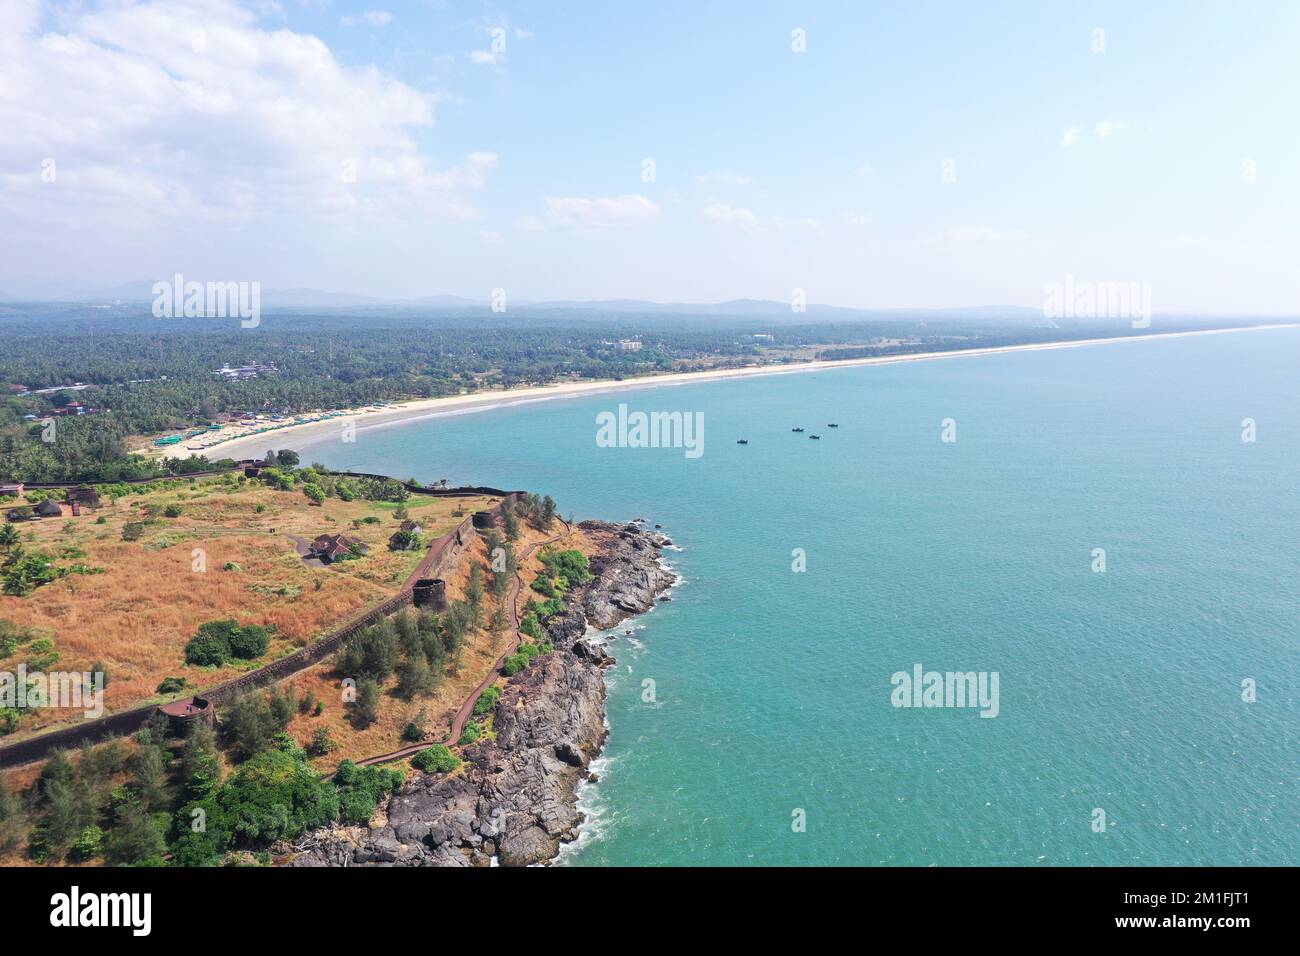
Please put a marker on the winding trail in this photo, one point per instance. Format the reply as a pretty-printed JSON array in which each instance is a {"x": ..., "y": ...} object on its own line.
[{"x": 467, "y": 706}]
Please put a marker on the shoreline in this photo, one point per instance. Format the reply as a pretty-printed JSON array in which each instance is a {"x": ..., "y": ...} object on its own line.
[{"x": 430, "y": 408}]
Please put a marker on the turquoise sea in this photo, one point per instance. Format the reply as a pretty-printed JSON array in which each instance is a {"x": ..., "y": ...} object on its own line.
[{"x": 1120, "y": 691}]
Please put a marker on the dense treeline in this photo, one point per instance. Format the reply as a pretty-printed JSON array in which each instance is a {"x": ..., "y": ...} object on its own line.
[{"x": 146, "y": 376}]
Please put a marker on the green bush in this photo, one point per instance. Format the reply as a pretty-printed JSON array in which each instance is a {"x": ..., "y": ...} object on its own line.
[
  {"x": 210, "y": 647},
  {"x": 172, "y": 685},
  {"x": 418, "y": 728},
  {"x": 472, "y": 733},
  {"x": 487, "y": 700},
  {"x": 218, "y": 641},
  {"x": 435, "y": 759},
  {"x": 572, "y": 565},
  {"x": 514, "y": 664},
  {"x": 172, "y": 511},
  {"x": 87, "y": 845},
  {"x": 250, "y": 641},
  {"x": 360, "y": 789},
  {"x": 322, "y": 743}
]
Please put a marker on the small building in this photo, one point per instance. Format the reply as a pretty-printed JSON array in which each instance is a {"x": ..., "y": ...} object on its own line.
[
  {"x": 85, "y": 496},
  {"x": 629, "y": 345},
  {"x": 11, "y": 488},
  {"x": 49, "y": 508},
  {"x": 338, "y": 547}
]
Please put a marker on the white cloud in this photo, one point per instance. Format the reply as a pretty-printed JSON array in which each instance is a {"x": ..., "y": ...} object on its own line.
[
  {"x": 1070, "y": 137},
  {"x": 530, "y": 224},
  {"x": 170, "y": 116},
  {"x": 486, "y": 58},
  {"x": 602, "y": 212},
  {"x": 725, "y": 178},
  {"x": 735, "y": 216},
  {"x": 374, "y": 18},
  {"x": 781, "y": 223},
  {"x": 968, "y": 234},
  {"x": 864, "y": 170},
  {"x": 522, "y": 34},
  {"x": 859, "y": 218},
  {"x": 1107, "y": 128},
  {"x": 490, "y": 237}
]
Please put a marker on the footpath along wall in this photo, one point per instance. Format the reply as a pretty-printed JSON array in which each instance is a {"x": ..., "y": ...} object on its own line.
[{"x": 443, "y": 554}]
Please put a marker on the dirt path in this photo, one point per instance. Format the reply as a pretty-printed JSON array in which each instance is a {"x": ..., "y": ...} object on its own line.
[{"x": 467, "y": 706}]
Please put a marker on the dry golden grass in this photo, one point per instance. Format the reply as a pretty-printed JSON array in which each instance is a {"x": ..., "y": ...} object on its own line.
[{"x": 138, "y": 615}]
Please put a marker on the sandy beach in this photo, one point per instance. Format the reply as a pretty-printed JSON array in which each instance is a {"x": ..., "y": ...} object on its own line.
[{"x": 294, "y": 435}]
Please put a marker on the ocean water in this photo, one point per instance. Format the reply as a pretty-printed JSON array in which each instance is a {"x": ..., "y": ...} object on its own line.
[{"x": 1119, "y": 691}]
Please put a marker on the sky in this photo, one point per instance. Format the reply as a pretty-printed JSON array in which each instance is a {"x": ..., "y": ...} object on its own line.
[{"x": 876, "y": 155}]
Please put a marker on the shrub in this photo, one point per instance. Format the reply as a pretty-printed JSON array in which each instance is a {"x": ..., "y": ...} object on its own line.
[
  {"x": 322, "y": 743},
  {"x": 360, "y": 789},
  {"x": 418, "y": 728},
  {"x": 435, "y": 759},
  {"x": 250, "y": 641},
  {"x": 217, "y": 641},
  {"x": 471, "y": 734},
  {"x": 210, "y": 647},
  {"x": 572, "y": 565},
  {"x": 514, "y": 664},
  {"x": 133, "y": 531},
  {"x": 172, "y": 511},
  {"x": 405, "y": 541},
  {"x": 172, "y": 685},
  {"x": 87, "y": 845},
  {"x": 487, "y": 700}
]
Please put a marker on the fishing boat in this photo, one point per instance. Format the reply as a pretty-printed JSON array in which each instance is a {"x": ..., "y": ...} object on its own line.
[
  {"x": 815, "y": 437},
  {"x": 832, "y": 425},
  {"x": 742, "y": 441},
  {"x": 796, "y": 429}
]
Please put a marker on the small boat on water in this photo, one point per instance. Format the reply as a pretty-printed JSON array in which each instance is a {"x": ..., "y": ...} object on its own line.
[
  {"x": 815, "y": 437},
  {"x": 742, "y": 441},
  {"x": 832, "y": 425},
  {"x": 796, "y": 429}
]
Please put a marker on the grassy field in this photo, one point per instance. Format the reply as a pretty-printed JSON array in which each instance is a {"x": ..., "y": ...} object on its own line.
[{"x": 232, "y": 552}]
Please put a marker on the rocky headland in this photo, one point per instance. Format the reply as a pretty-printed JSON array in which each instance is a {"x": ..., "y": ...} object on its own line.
[{"x": 515, "y": 797}]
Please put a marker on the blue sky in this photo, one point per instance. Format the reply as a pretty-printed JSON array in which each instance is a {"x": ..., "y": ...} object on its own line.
[{"x": 1172, "y": 157}]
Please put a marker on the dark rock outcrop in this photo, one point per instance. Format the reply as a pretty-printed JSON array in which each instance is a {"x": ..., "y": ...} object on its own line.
[
  {"x": 515, "y": 796},
  {"x": 629, "y": 571}
]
